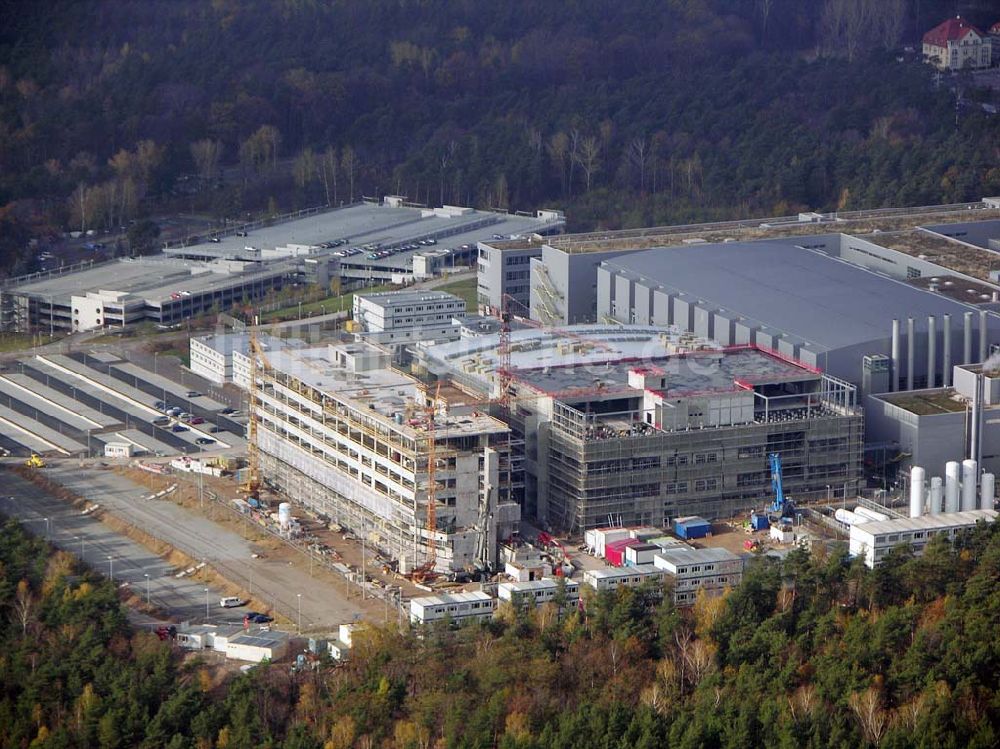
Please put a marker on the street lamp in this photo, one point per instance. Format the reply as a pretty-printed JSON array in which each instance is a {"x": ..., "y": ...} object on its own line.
[
  {"x": 299, "y": 597},
  {"x": 829, "y": 494},
  {"x": 146, "y": 575},
  {"x": 111, "y": 567},
  {"x": 206, "y": 604},
  {"x": 82, "y": 540}
]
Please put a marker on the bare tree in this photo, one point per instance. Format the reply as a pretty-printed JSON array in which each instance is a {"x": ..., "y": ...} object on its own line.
[
  {"x": 328, "y": 167},
  {"x": 764, "y": 8},
  {"x": 349, "y": 163},
  {"x": 558, "y": 148},
  {"x": 206, "y": 154},
  {"x": 304, "y": 168},
  {"x": 891, "y": 21},
  {"x": 873, "y": 719},
  {"x": 588, "y": 156},
  {"x": 574, "y": 154},
  {"x": 637, "y": 154},
  {"x": 23, "y": 606}
]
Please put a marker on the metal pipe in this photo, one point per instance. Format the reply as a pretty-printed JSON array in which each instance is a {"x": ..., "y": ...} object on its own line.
[
  {"x": 970, "y": 471},
  {"x": 983, "y": 335},
  {"x": 931, "y": 351},
  {"x": 909, "y": 353},
  {"x": 967, "y": 339},
  {"x": 946, "y": 352},
  {"x": 894, "y": 376}
]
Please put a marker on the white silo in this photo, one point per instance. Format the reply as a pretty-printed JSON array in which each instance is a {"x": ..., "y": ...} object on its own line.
[
  {"x": 987, "y": 491},
  {"x": 951, "y": 472},
  {"x": 970, "y": 473},
  {"x": 850, "y": 518},
  {"x": 870, "y": 514},
  {"x": 284, "y": 514},
  {"x": 935, "y": 495},
  {"x": 916, "y": 491}
]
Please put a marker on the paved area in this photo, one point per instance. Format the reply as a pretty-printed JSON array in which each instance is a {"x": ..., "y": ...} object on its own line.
[
  {"x": 88, "y": 538},
  {"x": 274, "y": 584}
]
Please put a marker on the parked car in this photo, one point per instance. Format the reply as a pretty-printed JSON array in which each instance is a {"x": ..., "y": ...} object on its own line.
[
  {"x": 226, "y": 411},
  {"x": 205, "y": 441},
  {"x": 162, "y": 421},
  {"x": 230, "y": 602},
  {"x": 174, "y": 411},
  {"x": 255, "y": 617},
  {"x": 179, "y": 428},
  {"x": 216, "y": 430},
  {"x": 193, "y": 394},
  {"x": 159, "y": 405},
  {"x": 197, "y": 420}
]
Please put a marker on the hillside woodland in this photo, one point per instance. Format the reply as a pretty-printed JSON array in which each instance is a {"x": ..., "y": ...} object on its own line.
[
  {"x": 623, "y": 114},
  {"x": 816, "y": 651}
]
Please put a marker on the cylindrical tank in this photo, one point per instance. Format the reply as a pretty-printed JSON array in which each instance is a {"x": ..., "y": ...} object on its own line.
[
  {"x": 849, "y": 518},
  {"x": 284, "y": 514},
  {"x": 935, "y": 495},
  {"x": 916, "y": 491},
  {"x": 952, "y": 469},
  {"x": 870, "y": 514},
  {"x": 987, "y": 491},
  {"x": 970, "y": 472}
]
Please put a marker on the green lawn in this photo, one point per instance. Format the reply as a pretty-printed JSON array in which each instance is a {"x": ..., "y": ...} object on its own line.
[
  {"x": 339, "y": 303},
  {"x": 466, "y": 290},
  {"x": 19, "y": 341}
]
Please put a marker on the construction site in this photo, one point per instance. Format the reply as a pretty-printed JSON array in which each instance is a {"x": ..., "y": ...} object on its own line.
[{"x": 369, "y": 448}]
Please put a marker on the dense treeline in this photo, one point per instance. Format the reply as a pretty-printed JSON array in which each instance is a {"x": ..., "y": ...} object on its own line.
[
  {"x": 815, "y": 651},
  {"x": 628, "y": 113}
]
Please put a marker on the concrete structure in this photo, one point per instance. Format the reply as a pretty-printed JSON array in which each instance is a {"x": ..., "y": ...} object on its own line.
[
  {"x": 119, "y": 293},
  {"x": 394, "y": 318},
  {"x": 455, "y": 607},
  {"x": 874, "y": 540},
  {"x": 119, "y": 449},
  {"x": 258, "y": 646},
  {"x": 224, "y": 357},
  {"x": 538, "y": 592},
  {"x": 342, "y": 433},
  {"x": 956, "y": 44},
  {"x": 609, "y": 578},
  {"x": 712, "y": 570},
  {"x": 814, "y": 304}
]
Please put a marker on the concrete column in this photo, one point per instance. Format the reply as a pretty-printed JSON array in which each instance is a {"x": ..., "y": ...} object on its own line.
[
  {"x": 931, "y": 351},
  {"x": 983, "y": 335},
  {"x": 894, "y": 376},
  {"x": 946, "y": 352},
  {"x": 909, "y": 353},
  {"x": 967, "y": 339}
]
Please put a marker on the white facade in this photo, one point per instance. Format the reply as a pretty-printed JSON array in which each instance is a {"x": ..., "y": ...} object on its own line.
[
  {"x": 119, "y": 450},
  {"x": 259, "y": 646},
  {"x": 538, "y": 592},
  {"x": 211, "y": 360},
  {"x": 874, "y": 540},
  {"x": 458, "y": 607},
  {"x": 957, "y": 45},
  {"x": 609, "y": 578},
  {"x": 397, "y": 317},
  {"x": 712, "y": 570}
]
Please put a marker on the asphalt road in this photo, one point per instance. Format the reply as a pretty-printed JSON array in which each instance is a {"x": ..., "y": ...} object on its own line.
[
  {"x": 275, "y": 585},
  {"x": 88, "y": 538}
]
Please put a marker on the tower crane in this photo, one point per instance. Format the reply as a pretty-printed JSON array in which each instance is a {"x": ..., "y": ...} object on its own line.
[
  {"x": 426, "y": 570},
  {"x": 258, "y": 364}
]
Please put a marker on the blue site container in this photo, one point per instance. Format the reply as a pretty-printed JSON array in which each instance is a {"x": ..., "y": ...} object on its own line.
[
  {"x": 759, "y": 522},
  {"x": 692, "y": 527}
]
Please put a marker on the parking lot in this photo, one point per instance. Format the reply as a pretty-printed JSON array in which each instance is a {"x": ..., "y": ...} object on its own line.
[{"x": 73, "y": 405}]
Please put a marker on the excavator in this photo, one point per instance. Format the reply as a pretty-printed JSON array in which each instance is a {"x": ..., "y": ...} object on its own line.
[{"x": 35, "y": 461}]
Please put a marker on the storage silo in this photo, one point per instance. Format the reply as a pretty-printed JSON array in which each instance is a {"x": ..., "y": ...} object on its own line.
[
  {"x": 916, "y": 491},
  {"x": 987, "y": 491},
  {"x": 970, "y": 471},
  {"x": 951, "y": 472},
  {"x": 935, "y": 496}
]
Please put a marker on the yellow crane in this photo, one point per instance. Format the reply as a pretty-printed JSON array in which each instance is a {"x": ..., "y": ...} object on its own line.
[
  {"x": 258, "y": 364},
  {"x": 426, "y": 570}
]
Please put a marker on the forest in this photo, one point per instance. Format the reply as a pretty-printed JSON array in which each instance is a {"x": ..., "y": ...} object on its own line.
[
  {"x": 621, "y": 114},
  {"x": 814, "y": 651}
]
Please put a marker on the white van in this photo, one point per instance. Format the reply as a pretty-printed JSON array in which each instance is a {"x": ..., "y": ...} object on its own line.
[{"x": 230, "y": 602}]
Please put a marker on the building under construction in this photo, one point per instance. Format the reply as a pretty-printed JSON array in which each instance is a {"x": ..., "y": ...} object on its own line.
[
  {"x": 638, "y": 425},
  {"x": 365, "y": 446}
]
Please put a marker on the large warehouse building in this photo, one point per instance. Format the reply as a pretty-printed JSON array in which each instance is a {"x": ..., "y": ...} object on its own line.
[
  {"x": 638, "y": 425},
  {"x": 341, "y": 432}
]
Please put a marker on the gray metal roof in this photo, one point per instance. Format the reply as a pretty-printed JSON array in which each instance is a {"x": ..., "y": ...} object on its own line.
[{"x": 819, "y": 299}]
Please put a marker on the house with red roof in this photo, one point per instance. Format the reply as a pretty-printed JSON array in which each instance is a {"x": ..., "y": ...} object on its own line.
[{"x": 957, "y": 45}]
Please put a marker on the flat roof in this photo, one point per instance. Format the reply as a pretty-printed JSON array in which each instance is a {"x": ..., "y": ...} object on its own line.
[
  {"x": 978, "y": 233},
  {"x": 228, "y": 343},
  {"x": 544, "y": 584},
  {"x": 927, "y": 402},
  {"x": 822, "y": 301},
  {"x": 381, "y": 390},
  {"x": 925, "y": 522},
  {"x": 408, "y": 296},
  {"x": 466, "y": 596},
  {"x": 639, "y": 569},
  {"x": 261, "y": 639},
  {"x": 153, "y": 278},
  {"x": 686, "y": 374},
  {"x": 689, "y": 555}
]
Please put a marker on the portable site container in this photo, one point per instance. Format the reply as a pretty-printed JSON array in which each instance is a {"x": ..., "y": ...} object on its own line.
[
  {"x": 641, "y": 554},
  {"x": 615, "y": 551},
  {"x": 645, "y": 533},
  {"x": 692, "y": 527},
  {"x": 597, "y": 539}
]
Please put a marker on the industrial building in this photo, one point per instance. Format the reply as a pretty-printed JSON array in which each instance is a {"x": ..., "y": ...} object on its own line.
[
  {"x": 711, "y": 570},
  {"x": 394, "y": 318},
  {"x": 874, "y": 540},
  {"x": 634, "y": 425},
  {"x": 212, "y": 356},
  {"x": 119, "y": 293},
  {"x": 910, "y": 289},
  {"x": 359, "y": 443},
  {"x": 455, "y": 607},
  {"x": 609, "y": 578}
]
